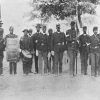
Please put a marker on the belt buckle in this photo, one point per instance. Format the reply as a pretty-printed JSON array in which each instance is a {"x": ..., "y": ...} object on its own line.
[
  {"x": 59, "y": 43},
  {"x": 42, "y": 44}
]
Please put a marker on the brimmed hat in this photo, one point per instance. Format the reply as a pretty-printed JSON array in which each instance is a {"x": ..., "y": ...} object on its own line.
[
  {"x": 38, "y": 25},
  {"x": 25, "y": 30},
  {"x": 72, "y": 23},
  {"x": 58, "y": 25}
]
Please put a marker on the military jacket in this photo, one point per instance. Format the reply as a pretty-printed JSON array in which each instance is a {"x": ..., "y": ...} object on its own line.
[
  {"x": 36, "y": 40},
  {"x": 50, "y": 43},
  {"x": 25, "y": 43},
  {"x": 71, "y": 39},
  {"x": 59, "y": 42},
  {"x": 95, "y": 43},
  {"x": 84, "y": 40},
  {"x": 43, "y": 46}
]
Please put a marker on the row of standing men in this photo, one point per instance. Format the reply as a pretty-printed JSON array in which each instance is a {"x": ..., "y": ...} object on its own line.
[{"x": 48, "y": 50}]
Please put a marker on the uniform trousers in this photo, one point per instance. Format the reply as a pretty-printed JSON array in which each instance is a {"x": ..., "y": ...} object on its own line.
[
  {"x": 95, "y": 63},
  {"x": 72, "y": 56},
  {"x": 36, "y": 63},
  {"x": 58, "y": 56},
  {"x": 13, "y": 67},
  {"x": 51, "y": 64},
  {"x": 1, "y": 65},
  {"x": 84, "y": 62},
  {"x": 42, "y": 60}
]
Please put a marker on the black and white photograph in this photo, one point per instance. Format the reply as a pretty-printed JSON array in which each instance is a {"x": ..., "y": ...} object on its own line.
[{"x": 49, "y": 49}]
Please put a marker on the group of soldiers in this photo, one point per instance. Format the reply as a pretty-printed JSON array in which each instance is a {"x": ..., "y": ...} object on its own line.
[{"x": 47, "y": 49}]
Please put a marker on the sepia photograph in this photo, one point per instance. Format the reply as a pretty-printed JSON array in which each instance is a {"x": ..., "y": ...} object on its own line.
[{"x": 49, "y": 49}]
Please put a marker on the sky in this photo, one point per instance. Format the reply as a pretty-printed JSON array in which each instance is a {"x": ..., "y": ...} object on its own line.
[{"x": 13, "y": 12}]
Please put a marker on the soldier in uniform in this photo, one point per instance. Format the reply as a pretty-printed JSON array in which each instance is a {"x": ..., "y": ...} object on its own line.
[
  {"x": 50, "y": 48},
  {"x": 95, "y": 51},
  {"x": 12, "y": 64},
  {"x": 84, "y": 41},
  {"x": 72, "y": 46},
  {"x": 30, "y": 34},
  {"x": 36, "y": 40},
  {"x": 2, "y": 47},
  {"x": 25, "y": 46},
  {"x": 43, "y": 51},
  {"x": 59, "y": 41}
]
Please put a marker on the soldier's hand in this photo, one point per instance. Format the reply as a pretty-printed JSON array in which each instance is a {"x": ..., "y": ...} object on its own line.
[
  {"x": 88, "y": 44},
  {"x": 36, "y": 41},
  {"x": 52, "y": 52},
  {"x": 49, "y": 55}
]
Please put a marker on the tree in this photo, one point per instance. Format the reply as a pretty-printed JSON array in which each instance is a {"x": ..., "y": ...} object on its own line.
[{"x": 61, "y": 9}]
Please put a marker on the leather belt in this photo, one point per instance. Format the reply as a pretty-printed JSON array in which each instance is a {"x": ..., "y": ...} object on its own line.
[{"x": 42, "y": 44}]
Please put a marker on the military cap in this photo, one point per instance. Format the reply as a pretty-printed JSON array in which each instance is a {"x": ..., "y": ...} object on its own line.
[
  {"x": 84, "y": 27},
  {"x": 72, "y": 23},
  {"x": 95, "y": 28},
  {"x": 25, "y": 30},
  {"x": 58, "y": 25},
  {"x": 38, "y": 25}
]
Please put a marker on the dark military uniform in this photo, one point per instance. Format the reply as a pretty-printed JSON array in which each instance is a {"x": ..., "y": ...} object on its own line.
[
  {"x": 95, "y": 54},
  {"x": 59, "y": 41},
  {"x": 50, "y": 48},
  {"x": 36, "y": 41},
  {"x": 12, "y": 64},
  {"x": 25, "y": 45},
  {"x": 84, "y": 41},
  {"x": 43, "y": 52},
  {"x": 72, "y": 46},
  {"x": 2, "y": 48}
]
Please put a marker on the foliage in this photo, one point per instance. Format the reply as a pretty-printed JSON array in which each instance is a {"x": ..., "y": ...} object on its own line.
[{"x": 61, "y": 9}]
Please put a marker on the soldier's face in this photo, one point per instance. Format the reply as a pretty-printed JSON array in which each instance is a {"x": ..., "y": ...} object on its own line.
[
  {"x": 95, "y": 31},
  {"x": 25, "y": 33},
  {"x": 84, "y": 30},
  {"x": 11, "y": 31},
  {"x": 72, "y": 26},
  {"x": 58, "y": 29},
  {"x": 50, "y": 32},
  {"x": 38, "y": 29},
  {"x": 44, "y": 29}
]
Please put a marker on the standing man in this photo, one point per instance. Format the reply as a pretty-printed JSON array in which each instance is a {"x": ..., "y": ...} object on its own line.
[
  {"x": 95, "y": 52},
  {"x": 12, "y": 53},
  {"x": 72, "y": 45},
  {"x": 36, "y": 40},
  {"x": 30, "y": 34},
  {"x": 84, "y": 41},
  {"x": 50, "y": 48},
  {"x": 59, "y": 41},
  {"x": 25, "y": 46},
  {"x": 43, "y": 51},
  {"x": 2, "y": 48}
]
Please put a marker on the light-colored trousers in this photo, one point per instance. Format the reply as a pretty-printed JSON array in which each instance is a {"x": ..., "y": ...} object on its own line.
[
  {"x": 42, "y": 62},
  {"x": 95, "y": 63}
]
